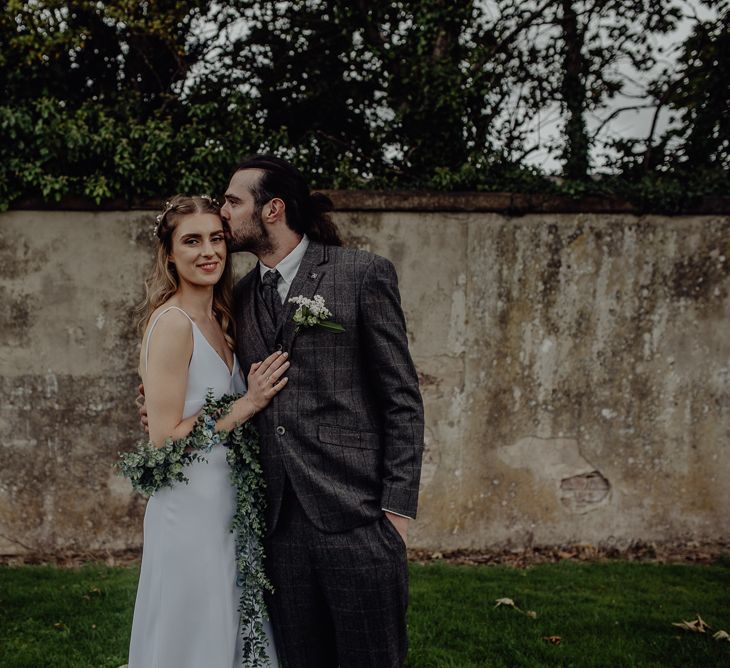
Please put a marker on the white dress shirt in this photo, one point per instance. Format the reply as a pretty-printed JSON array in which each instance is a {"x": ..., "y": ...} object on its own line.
[{"x": 288, "y": 267}]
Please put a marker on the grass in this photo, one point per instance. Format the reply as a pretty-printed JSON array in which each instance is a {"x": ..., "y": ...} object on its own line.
[
  {"x": 606, "y": 614},
  {"x": 65, "y": 618},
  {"x": 609, "y": 614}
]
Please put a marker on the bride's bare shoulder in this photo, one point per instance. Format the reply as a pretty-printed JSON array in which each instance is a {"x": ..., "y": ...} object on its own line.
[
  {"x": 171, "y": 335},
  {"x": 169, "y": 316}
]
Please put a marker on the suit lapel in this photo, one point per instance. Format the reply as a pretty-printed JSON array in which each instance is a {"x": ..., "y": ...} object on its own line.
[
  {"x": 309, "y": 275},
  {"x": 251, "y": 333}
]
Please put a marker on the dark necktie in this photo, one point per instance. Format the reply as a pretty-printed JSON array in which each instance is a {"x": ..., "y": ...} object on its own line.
[{"x": 271, "y": 295}]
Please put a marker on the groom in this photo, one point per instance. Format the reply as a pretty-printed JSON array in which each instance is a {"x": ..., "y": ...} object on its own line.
[{"x": 341, "y": 445}]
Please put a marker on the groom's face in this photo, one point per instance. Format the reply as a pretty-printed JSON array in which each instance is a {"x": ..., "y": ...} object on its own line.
[{"x": 248, "y": 232}]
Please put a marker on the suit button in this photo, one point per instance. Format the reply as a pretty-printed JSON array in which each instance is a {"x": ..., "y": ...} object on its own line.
[
  {"x": 279, "y": 346},
  {"x": 280, "y": 430}
]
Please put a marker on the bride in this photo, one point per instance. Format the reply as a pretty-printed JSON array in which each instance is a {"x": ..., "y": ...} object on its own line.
[{"x": 186, "y": 612}]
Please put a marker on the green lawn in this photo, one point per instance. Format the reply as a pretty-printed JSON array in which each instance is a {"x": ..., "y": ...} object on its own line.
[{"x": 606, "y": 614}]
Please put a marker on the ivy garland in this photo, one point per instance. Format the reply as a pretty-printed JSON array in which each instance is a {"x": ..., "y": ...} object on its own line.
[
  {"x": 149, "y": 469},
  {"x": 248, "y": 527}
]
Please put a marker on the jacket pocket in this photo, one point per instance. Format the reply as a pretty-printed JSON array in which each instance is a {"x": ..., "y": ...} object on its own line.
[{"x": 348, "y": 438}]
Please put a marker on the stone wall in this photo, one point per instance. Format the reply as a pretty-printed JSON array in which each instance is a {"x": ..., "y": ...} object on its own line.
[{"x": 575, "y": 369}]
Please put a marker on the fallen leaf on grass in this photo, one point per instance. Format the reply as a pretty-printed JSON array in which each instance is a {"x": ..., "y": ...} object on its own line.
[
  {"x": 62, "y": 628},
  {"x": 511, "y": 604},
  {"x": 93, "y": 591},
  {"x": 722, "y": 635},
  {"x": 553, "y": 640},
  {"x": 695, "y": 626},
  {"x": 506, "y": 601}
]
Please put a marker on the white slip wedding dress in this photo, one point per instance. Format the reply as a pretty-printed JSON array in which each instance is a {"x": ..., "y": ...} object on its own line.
[{"x": 186, "y": 612}]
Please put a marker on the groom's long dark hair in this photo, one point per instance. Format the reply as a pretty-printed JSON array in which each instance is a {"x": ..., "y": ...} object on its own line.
[{"x": 306, "y": 213}]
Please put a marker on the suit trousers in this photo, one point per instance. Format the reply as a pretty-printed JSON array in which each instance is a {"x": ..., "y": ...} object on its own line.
[{"x": 340, "y": 599}]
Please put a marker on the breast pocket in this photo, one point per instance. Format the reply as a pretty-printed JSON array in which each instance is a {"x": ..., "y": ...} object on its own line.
[{"x": 348, "y": 438}]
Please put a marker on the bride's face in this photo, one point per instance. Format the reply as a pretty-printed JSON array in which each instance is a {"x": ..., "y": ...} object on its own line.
[{"x": 199, "y": 248}]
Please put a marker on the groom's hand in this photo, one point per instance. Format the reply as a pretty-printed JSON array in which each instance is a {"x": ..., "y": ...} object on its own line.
[
  {"x": 142, "y": 408},
  {"x": 400, "y": 524}
]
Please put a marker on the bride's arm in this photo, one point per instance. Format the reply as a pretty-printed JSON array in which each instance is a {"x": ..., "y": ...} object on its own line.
[
  {"x": 165, "y": 380},
  {"x": 166, "y": 377}
]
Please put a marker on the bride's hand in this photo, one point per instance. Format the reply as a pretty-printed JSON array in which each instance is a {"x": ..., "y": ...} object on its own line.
[{"x": 265, "y": 379}]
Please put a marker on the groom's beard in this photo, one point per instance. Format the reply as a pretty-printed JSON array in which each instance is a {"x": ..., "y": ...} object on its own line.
[{"x": 252, "y": 237}]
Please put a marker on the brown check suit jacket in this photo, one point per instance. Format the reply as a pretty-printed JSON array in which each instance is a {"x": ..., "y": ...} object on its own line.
[{"x": 347, "y": 430}]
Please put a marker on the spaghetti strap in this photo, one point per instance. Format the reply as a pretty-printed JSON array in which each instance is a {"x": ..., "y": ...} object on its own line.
[{"x": 154, "y": 324}]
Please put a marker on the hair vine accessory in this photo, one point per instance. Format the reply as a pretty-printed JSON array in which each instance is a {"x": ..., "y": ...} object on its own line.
[
  {"x": 169, "y": 206},
  {"x": 159, "y": 217}
]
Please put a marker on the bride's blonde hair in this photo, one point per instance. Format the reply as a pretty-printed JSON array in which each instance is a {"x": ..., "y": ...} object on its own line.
[{"x": 163, "y": 282}]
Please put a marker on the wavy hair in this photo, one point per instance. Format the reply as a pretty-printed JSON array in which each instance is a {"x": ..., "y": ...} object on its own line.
[{"x": 163, "y": 282}]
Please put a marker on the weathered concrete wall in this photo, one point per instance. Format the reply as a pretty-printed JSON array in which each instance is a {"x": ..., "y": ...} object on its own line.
[{"x": 575, "y": 368}]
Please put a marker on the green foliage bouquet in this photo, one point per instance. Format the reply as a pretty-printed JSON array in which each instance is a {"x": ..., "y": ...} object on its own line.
[{"x": 149, "y": 469}]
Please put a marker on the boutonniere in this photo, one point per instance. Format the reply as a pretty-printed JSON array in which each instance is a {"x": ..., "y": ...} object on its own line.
[{"x": 313, "y": 312}]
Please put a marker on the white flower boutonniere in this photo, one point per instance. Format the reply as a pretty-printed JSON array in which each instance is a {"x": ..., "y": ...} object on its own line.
[{"x": 313, "y": 312}]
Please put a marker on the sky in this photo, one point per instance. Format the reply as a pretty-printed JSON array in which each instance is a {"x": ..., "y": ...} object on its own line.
[{"x": 627, "y": 124}]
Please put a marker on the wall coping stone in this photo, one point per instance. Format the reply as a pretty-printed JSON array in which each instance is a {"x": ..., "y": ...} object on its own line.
[{"x": 508, "y": 203}]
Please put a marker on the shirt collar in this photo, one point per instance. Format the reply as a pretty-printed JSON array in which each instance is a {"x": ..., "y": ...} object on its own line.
[{"x": 289, "y": 266}]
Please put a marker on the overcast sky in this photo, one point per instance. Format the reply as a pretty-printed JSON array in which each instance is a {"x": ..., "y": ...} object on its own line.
[{"x": 633, "y": 123}]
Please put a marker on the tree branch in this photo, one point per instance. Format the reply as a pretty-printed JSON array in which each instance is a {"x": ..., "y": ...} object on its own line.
[
  {"x": 661, "y": 102},
  {"x": 616, "y": 112},
  {"x": 507, "y": 39}
]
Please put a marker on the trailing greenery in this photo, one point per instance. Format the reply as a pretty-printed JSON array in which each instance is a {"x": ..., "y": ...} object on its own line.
[
  {"x": 606, "y": 614},
  {"x": 249, "y": 529},
  {"x": 124, "y": 100}
]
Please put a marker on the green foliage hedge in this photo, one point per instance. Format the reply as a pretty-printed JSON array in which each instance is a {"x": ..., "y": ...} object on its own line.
[{"x": 94, "y": 153}]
